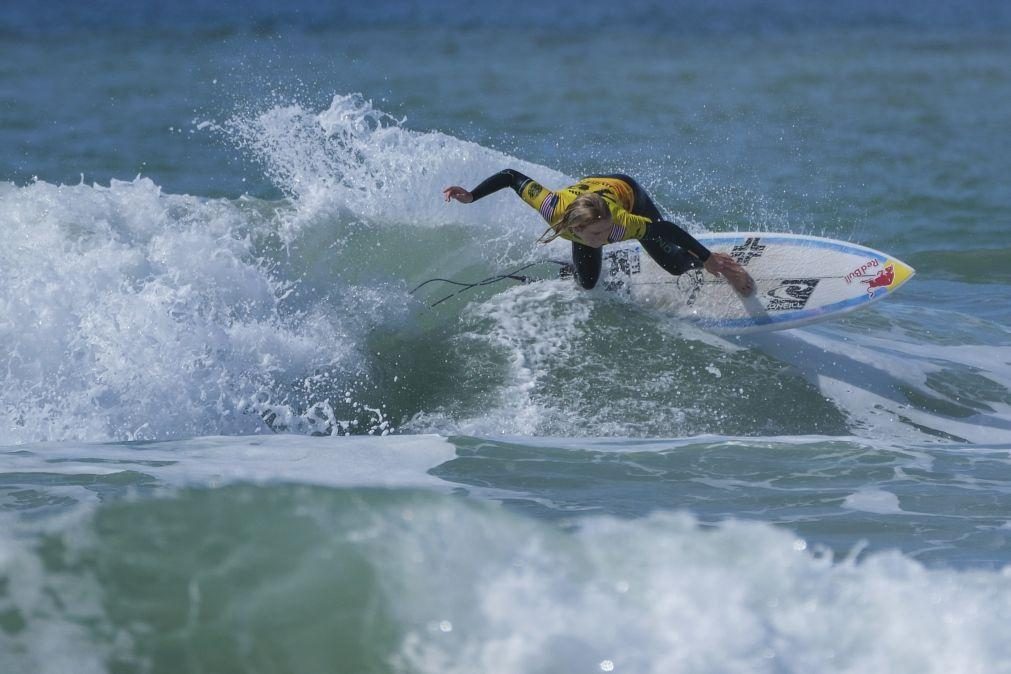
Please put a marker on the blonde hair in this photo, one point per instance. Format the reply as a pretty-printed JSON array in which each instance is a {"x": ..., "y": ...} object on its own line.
[{"x": 585, "y": 210}]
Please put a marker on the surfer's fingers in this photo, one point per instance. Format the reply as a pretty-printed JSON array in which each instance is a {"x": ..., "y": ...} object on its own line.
[
  {"x": 742, "y": 283},
  {"x": 458, "y": 193}
]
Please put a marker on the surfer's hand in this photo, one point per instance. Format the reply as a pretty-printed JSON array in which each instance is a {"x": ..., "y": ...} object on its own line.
[
  {"x": 721, "y": 264},
  {"x": 458, "y": 193}
]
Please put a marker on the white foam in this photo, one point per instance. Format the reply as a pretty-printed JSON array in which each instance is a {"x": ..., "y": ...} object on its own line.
[
  {"x": 660, "y": 595},
  {"x": 130, "y": 314},
  {"x": 55, "y": 612},
  {"x": 874, "y": 501}
]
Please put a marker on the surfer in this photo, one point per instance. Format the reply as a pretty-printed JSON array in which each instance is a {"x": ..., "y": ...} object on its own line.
[{"x": 606, "y": 209}]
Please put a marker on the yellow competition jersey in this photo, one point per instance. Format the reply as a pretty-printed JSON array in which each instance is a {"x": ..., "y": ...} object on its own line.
[{"x": 617, "y": 193}]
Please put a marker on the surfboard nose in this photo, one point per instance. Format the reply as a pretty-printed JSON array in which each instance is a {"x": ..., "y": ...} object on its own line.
[{"x": 901, "y": 272}]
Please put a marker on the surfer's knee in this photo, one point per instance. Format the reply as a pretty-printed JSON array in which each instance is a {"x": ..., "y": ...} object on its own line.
[{"x": 586, "y": 280}]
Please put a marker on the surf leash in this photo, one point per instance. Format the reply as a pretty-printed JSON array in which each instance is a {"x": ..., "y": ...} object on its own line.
[{"x": 513, "y": 275}]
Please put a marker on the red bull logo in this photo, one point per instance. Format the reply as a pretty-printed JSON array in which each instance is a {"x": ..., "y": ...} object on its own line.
[
  {"x": 883, "y": 279},
  {"x": 861, "y": 271}
]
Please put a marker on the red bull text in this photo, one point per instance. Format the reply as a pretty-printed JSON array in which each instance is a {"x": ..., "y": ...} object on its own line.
[{"x": 861, "y": 271}]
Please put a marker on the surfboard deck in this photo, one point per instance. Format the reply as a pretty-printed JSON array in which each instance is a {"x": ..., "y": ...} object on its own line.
[{"x": 799, "y": 280}]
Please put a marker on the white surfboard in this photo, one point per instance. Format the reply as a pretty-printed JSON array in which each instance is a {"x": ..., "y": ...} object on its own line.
[{"x": 799, "y": 280}]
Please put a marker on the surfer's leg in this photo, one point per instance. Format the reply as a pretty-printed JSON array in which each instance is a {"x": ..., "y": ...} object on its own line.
[
  {"x": 586, "y": 261},
  {"x": 659, "y": 243}
]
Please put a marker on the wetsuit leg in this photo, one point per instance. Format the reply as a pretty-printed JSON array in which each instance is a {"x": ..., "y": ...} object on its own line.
[{"x": 586, "y": 261}]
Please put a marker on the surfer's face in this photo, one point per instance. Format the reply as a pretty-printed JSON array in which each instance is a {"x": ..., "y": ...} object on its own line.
[{"x": 594, "y": 234}]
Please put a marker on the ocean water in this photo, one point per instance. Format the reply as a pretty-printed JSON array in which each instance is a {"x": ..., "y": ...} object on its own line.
[{"x": 233, "y": 440}]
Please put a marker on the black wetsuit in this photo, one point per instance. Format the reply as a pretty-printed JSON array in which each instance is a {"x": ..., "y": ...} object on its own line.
[{"x": 633, "y": 213}]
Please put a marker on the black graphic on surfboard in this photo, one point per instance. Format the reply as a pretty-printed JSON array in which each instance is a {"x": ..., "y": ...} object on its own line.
[
  {"x": 791, "y": 294},
  {"x": 747, "y": 251},
  {"x": 622, "y": 264}
]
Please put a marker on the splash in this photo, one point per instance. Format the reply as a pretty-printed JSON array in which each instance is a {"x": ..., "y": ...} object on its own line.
[
  {"x": 353, "y": 156},
  {"x": 134, "y": 314},
  {"x": 131, "y": 314}
]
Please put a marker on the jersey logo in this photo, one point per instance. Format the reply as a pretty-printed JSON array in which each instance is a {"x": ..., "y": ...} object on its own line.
[
  {"x": 533, "y": 190},
  {"x": 547, "y": 208},
  {"x": 617, "y": 233}
]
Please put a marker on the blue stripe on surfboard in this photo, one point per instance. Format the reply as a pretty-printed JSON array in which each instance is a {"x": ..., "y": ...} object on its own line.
[{"x": 793, "y": 316}]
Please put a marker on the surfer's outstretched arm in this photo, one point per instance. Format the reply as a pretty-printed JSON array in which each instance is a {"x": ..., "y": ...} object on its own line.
[
  {"x": 501, "y": 180},
  {"x": 535, "y": 195},
  {"x": 677, "y": 251}
]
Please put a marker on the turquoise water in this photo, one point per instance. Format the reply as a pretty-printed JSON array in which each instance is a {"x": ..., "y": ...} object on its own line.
[{"x": 214, "y": 218}]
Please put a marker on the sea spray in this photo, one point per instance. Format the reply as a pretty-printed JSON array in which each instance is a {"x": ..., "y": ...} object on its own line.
[{"x": 357, "y": 157}]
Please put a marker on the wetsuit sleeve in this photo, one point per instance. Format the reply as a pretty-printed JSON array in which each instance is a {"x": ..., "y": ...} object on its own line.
[
  {"x": 501, "y": 180},
  {"x": 667, "y": 232},
  {"x": 532, "y": 192}
]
